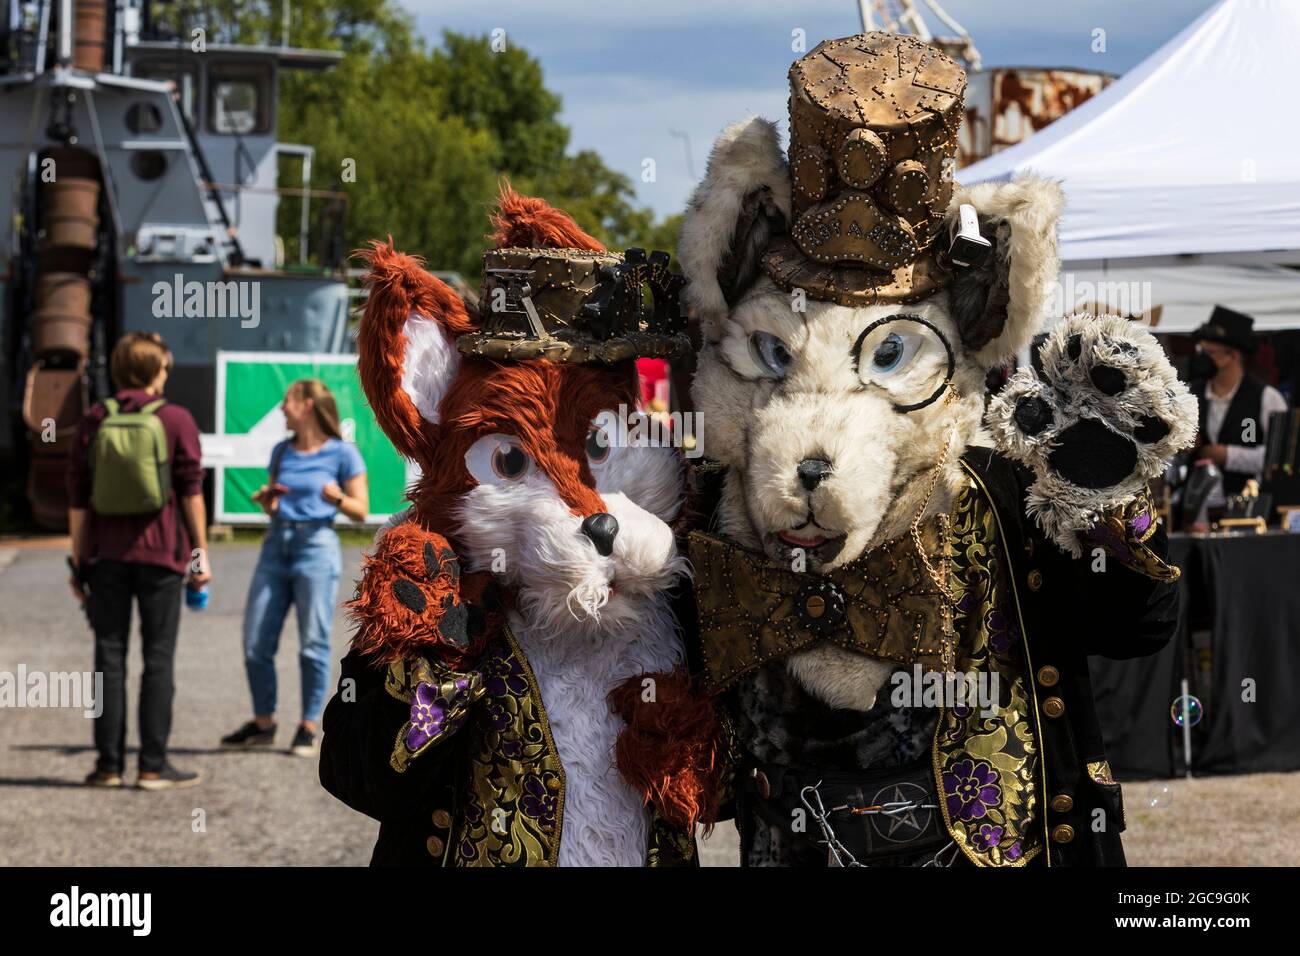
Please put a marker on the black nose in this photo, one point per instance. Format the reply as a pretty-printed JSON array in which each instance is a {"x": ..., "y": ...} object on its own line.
[
  {"x": 601, "y": 529},
  {"x": 812, "y": 471}
]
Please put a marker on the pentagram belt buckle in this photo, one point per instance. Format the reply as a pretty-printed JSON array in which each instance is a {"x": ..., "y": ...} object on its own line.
[{"x": 866, "y": 816}]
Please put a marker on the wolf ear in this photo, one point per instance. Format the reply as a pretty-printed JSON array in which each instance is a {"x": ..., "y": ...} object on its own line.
[
  {"x": 406, "y": 347},
  {"x": 743, "y": 200},
  {"x": 999, "y": 305}
]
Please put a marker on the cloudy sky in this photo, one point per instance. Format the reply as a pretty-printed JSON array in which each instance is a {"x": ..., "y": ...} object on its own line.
[{"x": 658, "y": 80}]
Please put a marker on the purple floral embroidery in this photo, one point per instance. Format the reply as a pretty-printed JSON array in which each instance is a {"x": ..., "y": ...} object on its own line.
[
  {"x": 431, "y": 712},
  {"x": 540, "y": 798},
  {"x": 1013, "y": 851},
  {"x": 1002, "y": 632},
  {"x": 498, "y": 717},
  {"x": 503, "y": 674},
  {"x": 473, "y": 818},
  {"x": 1140, "y": 524},
  {"x": 970, "y": 787},
  {"x": 986, "y": 837},
  {"x": 428, "y": 716}
]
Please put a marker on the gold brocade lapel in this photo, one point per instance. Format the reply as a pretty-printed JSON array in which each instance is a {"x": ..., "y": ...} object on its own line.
[
  {"x": 988, "y": 766},
  {"x": 512, "y": 805},
  {"x": 753, "y": 610}
]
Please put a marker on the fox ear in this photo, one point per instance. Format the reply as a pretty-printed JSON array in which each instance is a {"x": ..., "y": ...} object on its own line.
[{"x": 406, "y": 347}]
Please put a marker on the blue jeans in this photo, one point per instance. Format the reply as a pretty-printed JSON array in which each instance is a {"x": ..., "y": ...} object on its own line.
[{"x": 299, "y": 565}]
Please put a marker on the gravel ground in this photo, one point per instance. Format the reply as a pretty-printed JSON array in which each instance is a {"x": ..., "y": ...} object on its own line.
[{"x": 268, "y": 808}]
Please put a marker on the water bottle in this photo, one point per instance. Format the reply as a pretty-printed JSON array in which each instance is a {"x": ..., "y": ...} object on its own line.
[{"x": 196, "y": 598}]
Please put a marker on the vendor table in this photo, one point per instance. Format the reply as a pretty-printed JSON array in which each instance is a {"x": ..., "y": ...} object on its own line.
[{"x": 1245, "y": 589}]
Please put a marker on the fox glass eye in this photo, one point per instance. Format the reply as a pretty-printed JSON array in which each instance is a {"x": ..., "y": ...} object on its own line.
[
  {"x": 597, "y": 445},
  {"x": 509, "y": 462},
  {"x": 498, "y": 460}
]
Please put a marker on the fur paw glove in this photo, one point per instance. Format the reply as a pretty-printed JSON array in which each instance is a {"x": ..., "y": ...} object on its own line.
[
  {"x": 1100, "y": 420},
  {"x": 413, "y": 600}
]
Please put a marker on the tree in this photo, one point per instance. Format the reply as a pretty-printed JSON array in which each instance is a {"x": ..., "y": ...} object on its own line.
[{"x": 432, "y": 133}]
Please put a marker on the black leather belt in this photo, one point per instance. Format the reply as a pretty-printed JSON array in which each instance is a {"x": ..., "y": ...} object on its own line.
[{"x": 873, "y": 815}]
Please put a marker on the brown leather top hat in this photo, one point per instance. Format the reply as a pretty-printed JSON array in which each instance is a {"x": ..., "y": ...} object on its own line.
[
  {"x": 578, "y": 306},
  {"x": 1228, "y": 328},
  {"x": 873, "y": 140}
]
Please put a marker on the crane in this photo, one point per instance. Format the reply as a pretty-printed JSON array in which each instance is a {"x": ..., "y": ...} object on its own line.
[{"x": 904, "y": 16}]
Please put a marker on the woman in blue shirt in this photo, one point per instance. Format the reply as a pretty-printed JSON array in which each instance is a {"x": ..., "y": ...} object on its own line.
[{"x": 314, "y": 475}]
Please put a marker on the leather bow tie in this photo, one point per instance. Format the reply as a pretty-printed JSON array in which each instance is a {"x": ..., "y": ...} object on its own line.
[{"x": 884, "y": 604}]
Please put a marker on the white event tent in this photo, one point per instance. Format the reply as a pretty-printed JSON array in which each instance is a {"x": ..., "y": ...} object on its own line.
[{"x": 1182, "y": 178}]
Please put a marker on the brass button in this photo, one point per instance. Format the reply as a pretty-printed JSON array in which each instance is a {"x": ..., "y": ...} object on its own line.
[
  {"x": 1062, "y": 803},
  {"x": 435, "y": 846},
  {"x": 1035, "y": 580},
  {"x": 1063, "y": 833},
  {"x": 1048, "y": 676},
  {"x": 815, "y": 605},
  {"x": 1053, "y": 707},
  {"x": 441, "y": 819}
]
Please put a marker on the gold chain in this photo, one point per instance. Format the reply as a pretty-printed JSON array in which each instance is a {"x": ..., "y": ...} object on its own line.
[{"x": 939, "y": 578}]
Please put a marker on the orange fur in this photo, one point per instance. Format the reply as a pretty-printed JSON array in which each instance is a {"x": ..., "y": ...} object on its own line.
[
  {"x": 531, "y": 222},
  {"x": 672, "y": 749},
  {"x": 388, "y": 629},
  {"x": 549, "y": 407}
]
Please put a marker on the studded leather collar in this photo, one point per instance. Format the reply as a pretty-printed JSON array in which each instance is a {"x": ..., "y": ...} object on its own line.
[{"x": 753, "y": 610}]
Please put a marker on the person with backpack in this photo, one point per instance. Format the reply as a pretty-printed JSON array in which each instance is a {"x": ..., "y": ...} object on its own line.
[
  {"x": 313, "y": 476},
  {"x": 138, "y": 524}
]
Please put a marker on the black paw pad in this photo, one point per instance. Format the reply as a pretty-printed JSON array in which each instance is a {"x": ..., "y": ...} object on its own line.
[
  {"x": 1090, "y": 455},
  {"x": 1032, "y": 415},
  {"x": 436, "y": 562},
  {"x": 410, "y": 595},
  {"x": 1151, "y": 429},
  {"x": 1108, "y": 379},
  {"x": 453, "y": 625}
]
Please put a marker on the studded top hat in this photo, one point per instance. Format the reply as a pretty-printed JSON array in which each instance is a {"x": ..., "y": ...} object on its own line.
[
  {"x": 578, "y": 306},
  {"x": 1228, "y": 327},
  {"x": 873, "y": 139}
]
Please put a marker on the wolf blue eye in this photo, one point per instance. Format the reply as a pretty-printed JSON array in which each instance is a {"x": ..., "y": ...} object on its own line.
[
  {"x": 770, "y": 353},
  {"x": 888, "y": 354}
]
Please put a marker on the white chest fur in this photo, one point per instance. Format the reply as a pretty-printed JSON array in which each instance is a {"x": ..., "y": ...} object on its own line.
[{"x": 605, "y": 821}]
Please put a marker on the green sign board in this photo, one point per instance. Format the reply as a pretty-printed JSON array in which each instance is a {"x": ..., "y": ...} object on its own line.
[{"x": 250, "y": 388}]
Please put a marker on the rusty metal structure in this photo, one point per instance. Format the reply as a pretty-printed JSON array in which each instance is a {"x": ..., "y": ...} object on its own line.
[
  {"x": 1009, "y": 104},
  {"x": 1004, "y": 105}
]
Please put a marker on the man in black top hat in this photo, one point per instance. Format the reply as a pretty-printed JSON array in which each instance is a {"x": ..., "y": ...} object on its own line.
[{"x": 1235, "y": 406}]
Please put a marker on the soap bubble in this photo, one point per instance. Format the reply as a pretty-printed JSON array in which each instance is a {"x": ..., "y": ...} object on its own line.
[{"x": 1186, "y": 708}]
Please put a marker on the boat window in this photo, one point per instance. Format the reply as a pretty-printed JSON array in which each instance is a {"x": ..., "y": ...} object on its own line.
[
  {"x": 184, "y": 80},
  {"x": 239, "y": 100}
]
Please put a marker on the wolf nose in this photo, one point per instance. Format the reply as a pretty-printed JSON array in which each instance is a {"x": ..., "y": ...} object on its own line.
[
  {"x": 601, "y": 529},
  {"x": 812, "y": 471}
]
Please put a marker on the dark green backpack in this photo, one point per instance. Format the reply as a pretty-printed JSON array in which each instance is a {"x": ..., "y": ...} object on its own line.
[{"x": 129, "y": 471}]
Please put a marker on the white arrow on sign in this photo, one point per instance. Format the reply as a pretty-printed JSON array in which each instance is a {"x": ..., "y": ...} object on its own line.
[{"x": 252, "y": 449}]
